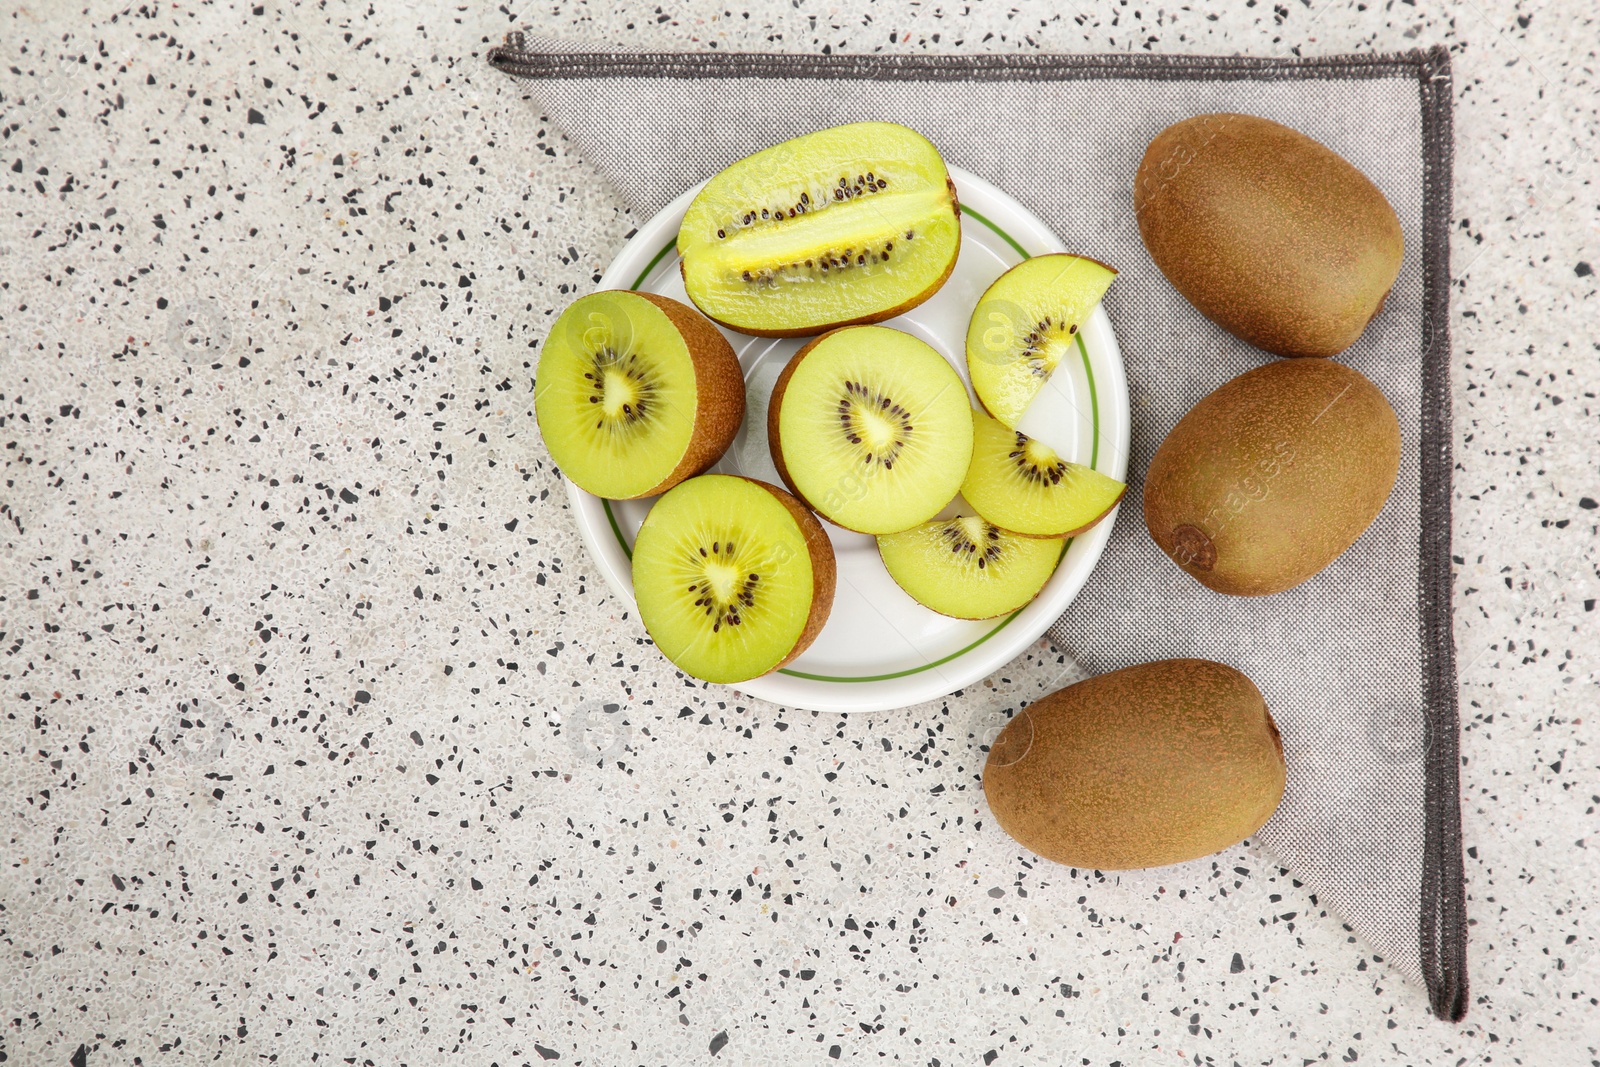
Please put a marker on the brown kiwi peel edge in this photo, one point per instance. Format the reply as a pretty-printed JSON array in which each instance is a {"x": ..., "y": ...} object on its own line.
[
  {"x": 719, "y": 388},
  {"x": 1085, "y": 528},
  {"x": 774, "y": 441},
  {"x": 824, "y": 572}
]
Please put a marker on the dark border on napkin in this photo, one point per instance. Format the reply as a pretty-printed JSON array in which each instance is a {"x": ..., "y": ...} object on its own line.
[{"x": 1442, "y": 926}]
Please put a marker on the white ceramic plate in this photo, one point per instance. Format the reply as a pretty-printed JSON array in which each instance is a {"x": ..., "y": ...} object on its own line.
[{"x": 880, "y": 649}]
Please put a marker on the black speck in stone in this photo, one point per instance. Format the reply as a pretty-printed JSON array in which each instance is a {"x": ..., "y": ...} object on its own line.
[
  {"x": 834, "y": 1052},
  {"x": 1588, "y": 503},
  {"x": 362, "y": 696},
  {"x": 1583, "y": 270},
  {"x": 80, "y": 1058},
  {"x": 1237, "y": 965},
  {"x": 991, "y": 1056},
  {"x": 416, "y": 737},
  {"x": 256, "y": 118},
  {"x": 546, "y": 1053},
  {"x": 347, "y": 496},
  {"x": 477, "y": 884},
  {"x": 717, "y": 1042},
  {"x": 511, "y": 526}
]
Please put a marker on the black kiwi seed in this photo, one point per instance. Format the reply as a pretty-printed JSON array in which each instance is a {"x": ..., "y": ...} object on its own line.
[
  {"x": 954, "y": 532},
  {"x": 606, "y": 361},
  {"x": 728, "y": 611},
  {"x": 1052, "y": 473},
  {"x": 859, "y": 398}
]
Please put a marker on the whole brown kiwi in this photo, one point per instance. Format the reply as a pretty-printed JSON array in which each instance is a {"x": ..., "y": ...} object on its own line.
[
  {"x": 1274, "y": 237},
  {"x": 1272, "y": 476},
  {"x": 1155, "y": 764}
]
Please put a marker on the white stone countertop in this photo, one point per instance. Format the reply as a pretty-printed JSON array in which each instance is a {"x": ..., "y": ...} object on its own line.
[{"x": 320, "y": 522}]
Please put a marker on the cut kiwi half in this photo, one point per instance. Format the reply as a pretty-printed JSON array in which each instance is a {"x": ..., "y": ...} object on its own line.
[
  {"x": 733, "y": 577},
  {"x": 1025, "y": 324},
  {"x": 967, "y": 567},
  {"x": 852, "y": 224},
  {"x": 1022, "y": 485},
  {"x": 871, "y": 428},
  {"x": 635, "y": 393}
]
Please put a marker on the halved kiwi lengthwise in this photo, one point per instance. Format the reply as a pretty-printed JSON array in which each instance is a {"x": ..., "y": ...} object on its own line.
[
  {"x": 635, "y": 393},
  {"x": 1025, "y": 324},
  {"x": 967, "y": 567},
  {"x": 871, "y": 428},
  {"x": 734, "y": 577},
  {"x": 1022, "y": 485},
  {"x": 853, "y": 224}
]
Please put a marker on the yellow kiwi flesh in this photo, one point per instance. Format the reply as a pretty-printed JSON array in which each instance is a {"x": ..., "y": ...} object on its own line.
[
  {"x": 733, "y": 577},
  {"x": 636, "y": 392},
  {"x": 852, "y": 224}
]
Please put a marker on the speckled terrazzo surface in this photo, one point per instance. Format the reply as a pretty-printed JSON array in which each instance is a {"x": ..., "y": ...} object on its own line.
[{"x": 320, "y": 741}]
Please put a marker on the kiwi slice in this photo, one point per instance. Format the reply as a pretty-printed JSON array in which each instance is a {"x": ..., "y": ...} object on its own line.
[
  {"x": 734, "y": 577},
  {"x": 1025, "y": 324},
  {"x": 1022, "y": 485},
  {"x": 852, "y": 224},
  {"x": 967, "y": 567},
  {"x": 635, "y": 393},
  {"x": 871, "y": 428}
]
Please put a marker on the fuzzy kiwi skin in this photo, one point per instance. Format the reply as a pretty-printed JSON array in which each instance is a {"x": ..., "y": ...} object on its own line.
[
  {"x": 719, "y": 385},
  {"x": 1155, "y": 764},
  {"x": 861, "y": 320},
  {"x": 1272, "y": 476},
  {"x": 824, "y": 572},
  {"x": 1274, "y": 237}
]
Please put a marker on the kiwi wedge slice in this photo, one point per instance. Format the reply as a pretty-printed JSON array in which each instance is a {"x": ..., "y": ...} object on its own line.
[
  {"x": 852, "y": 224},
  {"x": 635, "y": 393},
  {"x": 1025, "y": 324},
  {"x": 734, "y": 577},
  {"x": 1022, "y": 485},
  {"x": 871, "y": 428},
  {"x": 967, "y": 567}
]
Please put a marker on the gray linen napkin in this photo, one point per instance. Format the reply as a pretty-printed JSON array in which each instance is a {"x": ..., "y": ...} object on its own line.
[{"x": 1358, "y": 663}]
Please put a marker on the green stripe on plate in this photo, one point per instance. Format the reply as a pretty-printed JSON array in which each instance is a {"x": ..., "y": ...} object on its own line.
[{"x": 1094, "y": 456}]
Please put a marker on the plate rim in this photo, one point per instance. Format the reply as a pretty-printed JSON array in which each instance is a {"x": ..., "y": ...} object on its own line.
[{"x": 801, "y": 689}]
